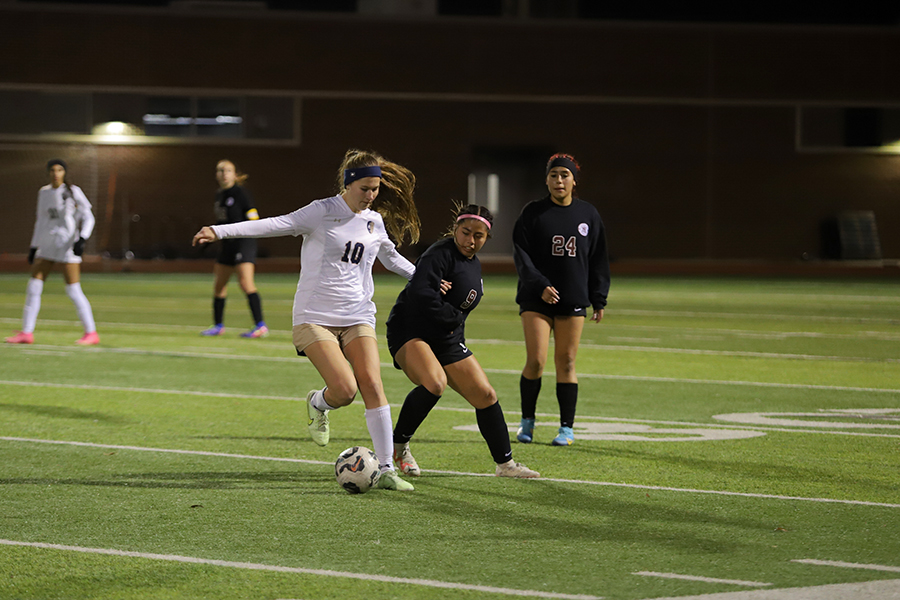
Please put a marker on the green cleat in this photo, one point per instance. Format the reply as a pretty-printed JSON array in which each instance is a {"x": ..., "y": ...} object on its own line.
[
  {"x": 318, "y": 422},
  {"x": 389, "y": 480}
]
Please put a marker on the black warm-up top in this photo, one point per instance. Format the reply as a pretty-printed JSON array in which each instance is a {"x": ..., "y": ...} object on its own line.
[
  {"x": 232, "y": 205},
  {"x": 421, "y": 306},
  {"x": 563, "y": 247}
]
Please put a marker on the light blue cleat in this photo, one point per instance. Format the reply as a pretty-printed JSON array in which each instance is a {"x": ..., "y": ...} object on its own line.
[
  {"x": 565, "y": 437},
  {"x": 525, "y": 434}
]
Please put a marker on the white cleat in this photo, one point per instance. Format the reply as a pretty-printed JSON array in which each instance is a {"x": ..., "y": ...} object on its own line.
[
  {"x": 517, "y": 470},
  {"x": 405, "y": 461}
]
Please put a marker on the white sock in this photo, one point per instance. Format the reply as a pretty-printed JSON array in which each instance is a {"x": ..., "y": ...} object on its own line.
[
  {"x": 379, "y": 423},
  {"x": 318, "y": 401},
  {"x": 82, "y": 306},
  {"x": 32, "y": 304}
]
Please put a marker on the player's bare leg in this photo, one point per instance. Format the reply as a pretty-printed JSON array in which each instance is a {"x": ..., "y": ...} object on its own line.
[
  {"x": 567, "y": 332},
  {"x": 362, "y": 353},
  {"x": 537, "y": 328}
]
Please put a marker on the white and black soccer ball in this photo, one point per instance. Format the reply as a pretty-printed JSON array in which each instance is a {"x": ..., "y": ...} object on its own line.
[{"x": 356, "y": 470}]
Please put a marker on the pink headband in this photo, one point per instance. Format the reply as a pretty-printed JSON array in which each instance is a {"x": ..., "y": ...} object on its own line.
[{"x": 482, "y": 219}]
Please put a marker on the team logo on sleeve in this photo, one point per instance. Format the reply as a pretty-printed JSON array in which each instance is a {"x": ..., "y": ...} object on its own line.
[
  {"x": 583, "y": 229},
  {"x": 370, "y": 226},
  {"x": 469, "y": 299}
]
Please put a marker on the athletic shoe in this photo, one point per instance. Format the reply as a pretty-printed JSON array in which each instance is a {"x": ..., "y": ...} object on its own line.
[
  {"x": 257, "y": 332},
  {"x": 526, "y": 431},
  {"x": 88, "y": 339},
  {"x": 517, "y": 470},
  {"x": 21, "y": 338},
  {"x": 389, "y": 480},
  {"x": 404, "y": 459},
  {"x": 318, "y": 421},
  {"x": 565, "y": 437},
  {"x": 217, "y": 329}
]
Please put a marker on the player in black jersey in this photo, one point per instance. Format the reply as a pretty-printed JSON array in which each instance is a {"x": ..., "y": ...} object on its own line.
[
  {"x": 563, "y": 267},
  {"x": 233, "y": 205},
  {"x": 426, "y": 337}
]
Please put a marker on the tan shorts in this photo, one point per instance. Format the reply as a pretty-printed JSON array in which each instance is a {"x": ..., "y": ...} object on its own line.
[{"x": 306, "y": 334}]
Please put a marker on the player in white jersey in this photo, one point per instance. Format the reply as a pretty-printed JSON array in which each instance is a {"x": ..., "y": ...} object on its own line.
[
  {"x": 64, "y": 223},
  {"x": 334, "y": 315}
]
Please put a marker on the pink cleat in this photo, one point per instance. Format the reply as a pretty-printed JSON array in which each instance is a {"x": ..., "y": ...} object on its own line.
[
  {"x": 257, "y": 332},
  {"x": 89, "y": 339},
  {"x": 21, "y": 338}
]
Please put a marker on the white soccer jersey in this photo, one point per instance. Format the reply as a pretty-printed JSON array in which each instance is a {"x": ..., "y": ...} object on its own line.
[
  {"x": 63, "y": 215},
  {"x": 339, "y": 249}
]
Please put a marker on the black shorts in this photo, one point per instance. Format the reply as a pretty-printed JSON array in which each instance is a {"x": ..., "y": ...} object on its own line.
[
  {"x": 447, "y": 349},
  {"x": 554, "y": 310},
  {"x": 236, "y": 251}
]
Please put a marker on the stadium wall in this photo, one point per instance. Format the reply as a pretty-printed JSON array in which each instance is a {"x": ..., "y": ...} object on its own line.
[{"x": 688, "y": 134}]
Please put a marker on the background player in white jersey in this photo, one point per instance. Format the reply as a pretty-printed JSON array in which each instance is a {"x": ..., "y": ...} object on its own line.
[
  {"x": 234, "y": 205},
  {"x": 563, "y": 267},
  {"x": 63, "y": 224},
  {"x": 334, "y": 315}
]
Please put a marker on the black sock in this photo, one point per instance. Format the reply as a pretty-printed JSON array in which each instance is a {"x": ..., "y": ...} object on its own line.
[
  {"x": 493, "y": 429},
  {"x": 218, "y": 311},
  {"x": 529, "y": 389},
  {"x": 255, "y": 307},
  {"x": 567, "y": 395},
  {"x": 416, "y": 407}
]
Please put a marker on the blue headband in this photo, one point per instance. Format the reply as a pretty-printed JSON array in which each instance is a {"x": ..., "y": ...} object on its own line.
[{"x": 351, "y": 175}]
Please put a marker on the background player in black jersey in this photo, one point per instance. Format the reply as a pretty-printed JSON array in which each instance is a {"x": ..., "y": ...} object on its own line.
[
  {"x": 233, "y": 205},
  {"x": 426, "y": 337},
  {"x": 563, "y": 266}
]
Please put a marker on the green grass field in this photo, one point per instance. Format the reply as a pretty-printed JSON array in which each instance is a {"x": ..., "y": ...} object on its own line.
[{"x": 727, "y": 429}]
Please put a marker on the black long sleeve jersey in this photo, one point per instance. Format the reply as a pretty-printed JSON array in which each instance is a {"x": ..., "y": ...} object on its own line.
[
  {"x": 421, "y": 307},
  {"x": 563, "y": 247},
  {"x": 232, "y": 205}
]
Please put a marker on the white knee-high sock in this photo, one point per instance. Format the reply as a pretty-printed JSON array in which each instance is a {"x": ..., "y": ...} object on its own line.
[
  {"x": 82, "y": 306},
  {"x": 32, "y": 304},
  {"x": 318, "y": 401},
  {"x": 379, "y": 422}
]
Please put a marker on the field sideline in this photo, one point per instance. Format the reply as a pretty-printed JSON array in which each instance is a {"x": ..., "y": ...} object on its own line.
[{"x": 737, "y": 439}]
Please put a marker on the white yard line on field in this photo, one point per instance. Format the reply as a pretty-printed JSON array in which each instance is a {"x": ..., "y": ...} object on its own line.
[
  {"x": 300, "y": 570},
  {"x": 745, "y": 333},
  {"x": 515, "y": 372},
  {"x": 460, "y": 473},
  {"x": 39, "y": 352},
  {"x": 699, "y": 578},
  {"x": 111, "y": 388},
  {"x": 584, "y": 345},
  {"x": 709, "y": 316},
  {"x": 699, "y": 332},
  {"x": 148, "y": 327},
  {"x": 868, "y": 590},
  {"x": 846, "y": 565},
  {"x": 700, "y": 352}
]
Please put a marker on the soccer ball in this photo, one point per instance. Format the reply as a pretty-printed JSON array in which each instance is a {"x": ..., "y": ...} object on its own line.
[{"x": 356, "y": 470}]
